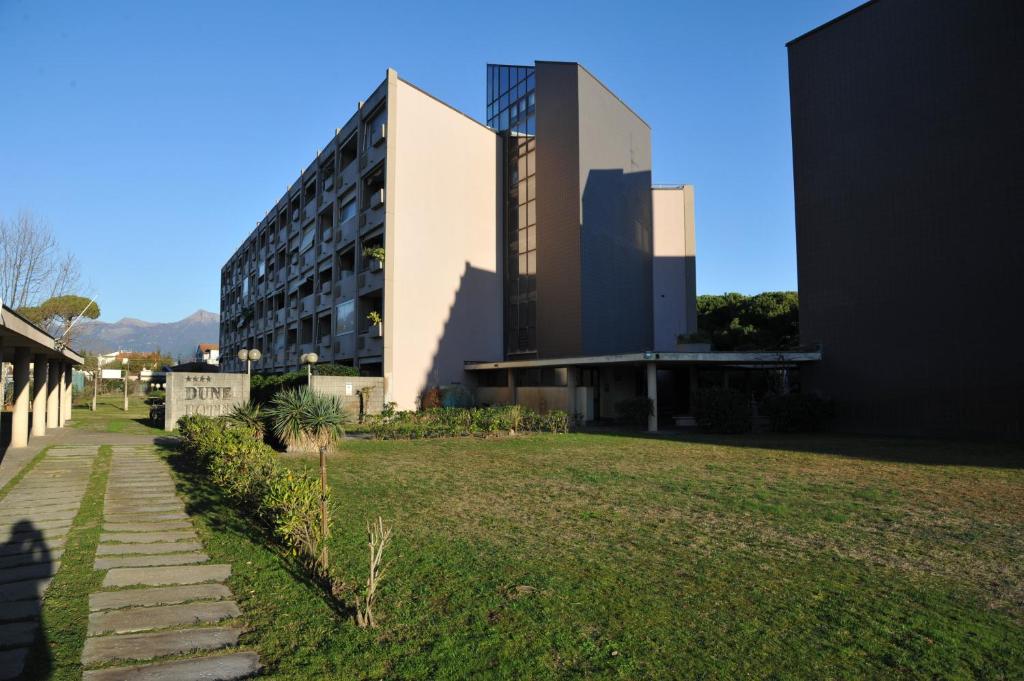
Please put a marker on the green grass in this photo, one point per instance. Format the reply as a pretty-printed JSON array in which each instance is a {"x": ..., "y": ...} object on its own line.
[
  {"x": 110, "y": 416},
  {"x": 57, "y": 653},
  {"x": 617, "y": 556}
]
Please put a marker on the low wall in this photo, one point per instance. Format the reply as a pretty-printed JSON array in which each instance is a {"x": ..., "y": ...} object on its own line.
[
  {"x": 493, "y": 395},
  {"x": 543, "y": 399},
  {"x": 347, "y": 388},
  {"x": 203, "y": 393}
]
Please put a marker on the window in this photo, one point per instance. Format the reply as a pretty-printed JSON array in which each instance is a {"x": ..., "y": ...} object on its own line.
[
  {"x": 262, "y": 268},
  {"x": 307, "y": 240},
  {"x": 245, "y": 287},
  {"x": 346, "y": 317},
  {"x": 348, "y": 206}
]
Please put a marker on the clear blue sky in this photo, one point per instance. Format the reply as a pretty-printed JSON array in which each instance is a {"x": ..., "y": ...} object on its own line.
[{"x": 153, "y": 135}]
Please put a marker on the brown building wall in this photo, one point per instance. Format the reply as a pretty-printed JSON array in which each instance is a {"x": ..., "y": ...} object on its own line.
[{"x": 907, "y": 144}]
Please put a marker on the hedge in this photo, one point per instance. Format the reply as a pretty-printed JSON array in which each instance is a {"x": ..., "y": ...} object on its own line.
[
  {"x": 248, "y": 471},
  {"x": 798, "y": 412},
  {"x": 719, "y": 410},
  {"x": 456, "y": 422},
  {"x": 263, "y": 387}
]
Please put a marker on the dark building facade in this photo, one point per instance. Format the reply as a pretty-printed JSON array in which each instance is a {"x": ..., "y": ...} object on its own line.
[
  {"x": 908, "y": 140},
  {"x": 578, "y": 225}
]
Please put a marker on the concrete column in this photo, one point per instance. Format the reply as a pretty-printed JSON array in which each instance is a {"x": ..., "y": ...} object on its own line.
[
  {"x": 571, "y": 379},
  {"x": 652, "y": 395},
  {"x": 65, "y": 402},
  {"x": 53, "y": 397},
  {"x": 40, "y": 378},
  {"x": 19, "y": 421},
  {"x": 512, "y": 385},
  {"x": 3, "y": 386}
]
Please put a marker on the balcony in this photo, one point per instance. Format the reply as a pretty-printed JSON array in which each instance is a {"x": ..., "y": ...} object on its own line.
[
  {"x": 370, "y": 346},
  {"x": 309, "y": 211},
  {"x": 345, "y": 288},
  {"x": 345, "y": 346},
  {"x": 306, "y": 305},
  {"x": 370, "y": 281},
  {"x": 371, "y": 219},
  {"x": 348, "y": 231},
  {"x": 372, "y": 156},
  {"x": 349, "y": 175}
]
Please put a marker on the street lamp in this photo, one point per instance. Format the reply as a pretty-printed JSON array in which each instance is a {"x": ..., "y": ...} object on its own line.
[
  {"x": 124, "y": 362},
  {"x": 309, "y": 359},
  {"x": 249, "y": 356}
]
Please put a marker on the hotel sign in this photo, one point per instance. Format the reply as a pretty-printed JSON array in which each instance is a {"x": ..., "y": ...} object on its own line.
[{"x": 204, "y": 394}]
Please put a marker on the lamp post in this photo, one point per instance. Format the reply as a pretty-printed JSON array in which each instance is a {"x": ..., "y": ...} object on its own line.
[
  {"x": 249, "y": 356},
  {"x": 309, "y": 359},
  {"x": 124, "y": 362}
]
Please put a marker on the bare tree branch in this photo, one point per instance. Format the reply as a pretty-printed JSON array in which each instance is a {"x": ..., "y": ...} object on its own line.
[{"x": 32, "y": 265}]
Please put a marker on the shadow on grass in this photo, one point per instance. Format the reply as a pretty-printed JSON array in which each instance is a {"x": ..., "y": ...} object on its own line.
[
  {"x": 205, "y": 499},
  {"x": 911, "y": 450}
]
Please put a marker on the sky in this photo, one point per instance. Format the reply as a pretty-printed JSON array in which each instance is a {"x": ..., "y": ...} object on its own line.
[{"x": 152, "y": 136}]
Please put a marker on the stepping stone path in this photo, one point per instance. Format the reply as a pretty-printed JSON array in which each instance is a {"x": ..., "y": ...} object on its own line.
[
  {"x": 35, "y": 518},
  {"x": 160, "y": 596}
]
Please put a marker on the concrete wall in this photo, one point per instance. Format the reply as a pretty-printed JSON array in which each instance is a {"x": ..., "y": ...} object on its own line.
[
  {"x": 674, "y": 266},
  {"x": 907, "y": 140},
  {"x": 559, "y": 307},
  {"x": 442, "y": 292},
  {"x": 347, "y": 389},
  {"x": 615, "y": 225},
  {"x": 543, "y": 399},
  {"x": 203, "y": 393},
  {"x": 493, "y": 395}
]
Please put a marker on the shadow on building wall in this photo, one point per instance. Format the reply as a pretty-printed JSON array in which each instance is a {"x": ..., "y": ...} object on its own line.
[
  {"x": 472, "y": 331},
  {"x": 26, "y": 566},
  {"x": 616, "y": 242}
]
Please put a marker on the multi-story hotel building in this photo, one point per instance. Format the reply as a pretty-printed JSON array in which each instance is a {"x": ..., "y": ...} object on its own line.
[{"x": 420, "y": 240}]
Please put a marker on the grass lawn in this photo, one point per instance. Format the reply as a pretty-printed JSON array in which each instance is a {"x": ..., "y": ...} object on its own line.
[
  {"x": 616, "y": 556},
  {"x": 110, "y": 416}
]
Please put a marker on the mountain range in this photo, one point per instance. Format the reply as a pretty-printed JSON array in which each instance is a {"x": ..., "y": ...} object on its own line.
[{"x": 178, "y": 339}]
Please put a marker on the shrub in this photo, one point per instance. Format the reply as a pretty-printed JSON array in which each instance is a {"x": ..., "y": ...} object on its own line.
[
  {"x": 797, "y": 412},
  {"x": 247, "y": 416},
  {"x": 635, "y": 410},
  {"x": 248, "y": 472},
  {"x": 432, "y": 399},
  {"x": 723, "y": 411},
  {"x": 263, "y": 387},
  {"x": 456, "y": 422}
]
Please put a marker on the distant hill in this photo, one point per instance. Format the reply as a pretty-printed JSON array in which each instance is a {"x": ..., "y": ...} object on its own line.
[{"x": 178, "y": 339}]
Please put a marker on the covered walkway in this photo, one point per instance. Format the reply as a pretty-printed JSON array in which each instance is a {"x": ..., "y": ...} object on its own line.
[
  {"x": 591, "y": 386},
  {"x": 42, "y": 381}
]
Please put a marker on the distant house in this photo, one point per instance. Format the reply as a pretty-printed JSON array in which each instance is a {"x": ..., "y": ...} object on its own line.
[{"x": 208, "y": 353}]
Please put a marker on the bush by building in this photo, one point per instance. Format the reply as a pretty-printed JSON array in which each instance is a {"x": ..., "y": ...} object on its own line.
[
  {"x": 263, "y": 387},
  {"x": 797, "y": 412},
  {"x": 719, "y": 410},
  {"x": 635, "y": 410},
  {"x": 456, "y": 422},
  {"x": 248, "y": 472}
]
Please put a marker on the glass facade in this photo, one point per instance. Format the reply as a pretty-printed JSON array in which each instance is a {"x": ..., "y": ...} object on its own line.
[{"x": 511, "y": 110}]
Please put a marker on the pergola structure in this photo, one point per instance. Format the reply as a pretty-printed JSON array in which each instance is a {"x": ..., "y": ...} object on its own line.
[
  {"x": 650, "y": 363},
  {"x": 29, "y": 349}
]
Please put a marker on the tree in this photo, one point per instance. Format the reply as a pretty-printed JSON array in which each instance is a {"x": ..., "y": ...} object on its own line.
[
  {"x": 32, "y": 265},
  {"x": 55, "y": 315},
  {"x": 301, "y": 416},
  {"x": 766, "y": 321}
]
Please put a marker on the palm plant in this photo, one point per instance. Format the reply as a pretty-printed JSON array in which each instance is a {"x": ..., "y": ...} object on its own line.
[
  {"x": 303, "y": 416},
  {"x": 247, "y": 416}
]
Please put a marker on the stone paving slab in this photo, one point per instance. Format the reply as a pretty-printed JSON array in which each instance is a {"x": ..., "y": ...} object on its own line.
[
  {"x": 157, "y": 644},
  {"x": 21, "y": 573},
  {"x": 161, "y": 595},
  {"x": 160, "y": 576},
  {"x": 12, "y": 662},
  {"x": 150, "y": 561},
  {"x": 153, "y": 548},
  {"x": 212, "y": 668},
  {"x": 23, "y": 591},
  {"x": 20, "y": 610},
  {"x": 147, "y": 537},
  {"x": 18, "y": 633},
  {"x": 130, "y": 620},
  {"x": 17, "y": 550},
  {"x": 149, "y": 517},
  {"x": 29, "y": 558},
  {"x": 161, "y": 526}
]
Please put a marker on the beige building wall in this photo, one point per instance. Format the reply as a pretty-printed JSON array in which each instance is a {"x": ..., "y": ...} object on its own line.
[
  {"x": 442, "y": 303},
  {"x": 674, "y": 268}
]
